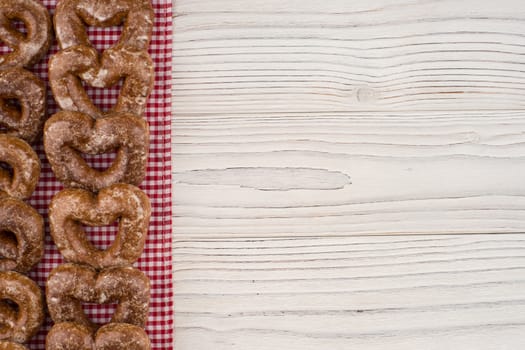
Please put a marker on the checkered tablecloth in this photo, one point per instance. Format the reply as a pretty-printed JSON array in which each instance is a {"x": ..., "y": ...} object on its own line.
[{"x": 156, "y": 258}]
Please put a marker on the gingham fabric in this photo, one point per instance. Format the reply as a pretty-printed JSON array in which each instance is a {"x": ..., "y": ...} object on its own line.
[{"x": 156, "y": 258}]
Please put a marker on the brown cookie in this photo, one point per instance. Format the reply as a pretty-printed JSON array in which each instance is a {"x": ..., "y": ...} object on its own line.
[
  {"x": 136, "y": 16},
  {"x": 20, "y": 181},
  {"x": 112, "y": 336},
  {"x": 21, "y": 235},
  {"x": 25, "y": 121},
  {"x": 70, "y": 285},
  {"x": 68, "y": 135},
  {"x": 68, "y": 67},
  {"x": 27, "y": 296},
  {"x": 71, "y": 208},
  {"x": 9, "y": 345},
  {"x": 26, "y": 49}
]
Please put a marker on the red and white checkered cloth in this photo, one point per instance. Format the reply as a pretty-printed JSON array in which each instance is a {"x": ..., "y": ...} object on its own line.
[{"x": 156, "y": 259}]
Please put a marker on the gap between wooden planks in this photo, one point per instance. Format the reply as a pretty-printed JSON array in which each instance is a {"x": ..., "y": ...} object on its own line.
[{"x": 300, "y": 125}]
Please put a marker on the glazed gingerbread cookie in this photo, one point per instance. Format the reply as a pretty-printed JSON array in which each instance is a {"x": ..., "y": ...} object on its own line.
[
  {"x": 9, "y": 345},
  {"x": 113, "y": 336},
  {"x": 27, "y": 296},
  {"x": 24, "y": 248},
  {"x": 136, "y": 16},
  {"x": 26, "y": 49},
  {"x": 21, "y": 177},
  {"x": 70, "y": 285},
  {"x": 26, "y": 120},
  {"x": 71, "y": 208},
  {"x": 68, "y": 135},
  {"x": 68, "y": 67}
]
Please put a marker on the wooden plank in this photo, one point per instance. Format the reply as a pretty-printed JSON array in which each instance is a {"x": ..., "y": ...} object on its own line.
[
  {"x": 406, "y": 292},
  {"x": 349, "y": 173},
  {"x": 259, "y": 56}
]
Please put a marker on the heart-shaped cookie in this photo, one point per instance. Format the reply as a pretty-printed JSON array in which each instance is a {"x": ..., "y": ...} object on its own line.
[
  {"x": 9, "y": 345},
  {"x": 22, "y": 291},
  {"x": 71, "y": 208},
  {"x": 67, "y": 67},
  {"x": 30, "y": 92},
  {"x": 70, "y": 285},
  {"x": 68, "y": 135},
  {"x": 21, "y": 180},
  {"x": 26, "y": 49},
  {"x": 112, "y": 336},
  {"x": 71, "y": 17},
  {"x": 8, "y": 314},
  {"x": 21, "y": 235}
]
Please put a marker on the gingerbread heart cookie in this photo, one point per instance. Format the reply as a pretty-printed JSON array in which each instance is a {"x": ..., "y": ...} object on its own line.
[
  {"x": 9, "y": 345},
  {"x": 29, "y": 92},
  {"x": 112, "y": 336},
  {"x": 68, "y": 135},
  {"x": 26, "y": 49},
  {"x": 21, "y": 235},
  {"x": 70, "y": 285},
  {"x": 71, "y": 208},
  {"x": 68, "y": 67},
  {"x": 136, "y": 16},
  {"x": 21, "y": 291},
  {"x": 20, "y": 180}
]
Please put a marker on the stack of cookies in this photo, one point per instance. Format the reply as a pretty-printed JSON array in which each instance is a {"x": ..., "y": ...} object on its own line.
[
  {"x": 22, "y": 113},
  {"x": 99, "y": 197}
]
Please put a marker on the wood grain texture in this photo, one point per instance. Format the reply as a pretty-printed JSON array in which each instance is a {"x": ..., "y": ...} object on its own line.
[
  {"x": 272, "y": 55},
  {"x": 344, "y": 173},
  {"x": 349, "y": 173},
  {"x": 415, "y": 292}
]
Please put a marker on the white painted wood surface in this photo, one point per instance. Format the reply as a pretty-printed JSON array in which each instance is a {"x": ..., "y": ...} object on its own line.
[
  {"x": 323, "y": 153},
  {"x": 257, "y": 56},
  {"x": 382, "y": 292}
]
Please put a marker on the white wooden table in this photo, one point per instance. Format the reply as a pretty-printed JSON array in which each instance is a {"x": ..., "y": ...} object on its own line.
[{"x": 349, "y": 174}]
